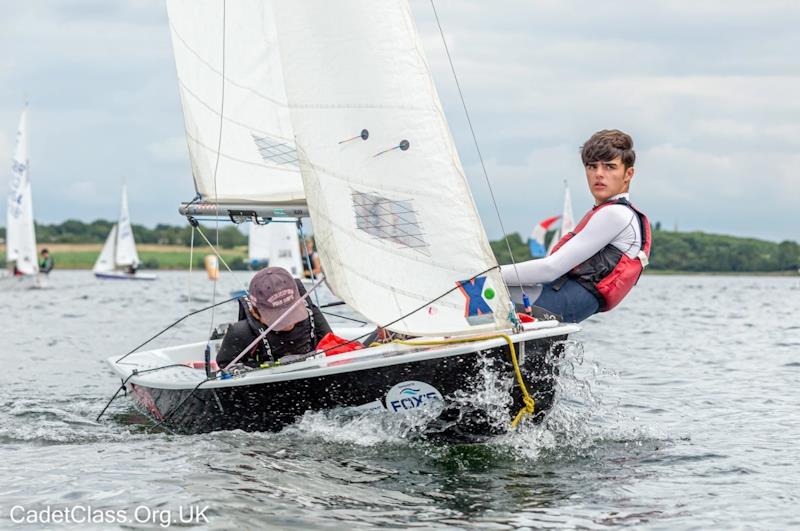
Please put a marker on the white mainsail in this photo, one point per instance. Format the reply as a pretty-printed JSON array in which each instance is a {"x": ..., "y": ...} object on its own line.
[
  {"x": 105, "y": 262},
  {"x": 20, "y": 231},
  {"x": 257, "y": 156},
  {"x": 567, "y": 220},
  {"x": 125, "y": 253},
  {"x": 394, "y": 220}
]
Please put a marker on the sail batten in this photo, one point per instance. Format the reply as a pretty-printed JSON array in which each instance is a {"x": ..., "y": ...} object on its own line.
[{"x": 394, "y": 220}]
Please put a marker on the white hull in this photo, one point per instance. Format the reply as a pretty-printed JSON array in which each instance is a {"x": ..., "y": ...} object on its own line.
[{"x": 122, "y": 275}]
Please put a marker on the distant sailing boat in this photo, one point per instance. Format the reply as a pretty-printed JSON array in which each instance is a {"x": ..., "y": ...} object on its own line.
[
  {"x": 21, "y": 255},
  {"x": 567, "y": 220},
  {"x": 347, "y": 96},
  {"x": 119, "y": 260}
]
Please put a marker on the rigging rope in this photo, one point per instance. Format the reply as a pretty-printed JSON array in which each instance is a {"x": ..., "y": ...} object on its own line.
[
  {"x": 189, "y": 278},
  {"x": 218, "y": 255},
  {"x": 175, "y": 323},
  {"x": 477, "y": 147},
  {"x": 216, "y": 163},
  {"x": 307, "y": 255}
]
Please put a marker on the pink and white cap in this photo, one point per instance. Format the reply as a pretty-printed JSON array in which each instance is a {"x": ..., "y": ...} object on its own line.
[{"x": 272, "y": 291}]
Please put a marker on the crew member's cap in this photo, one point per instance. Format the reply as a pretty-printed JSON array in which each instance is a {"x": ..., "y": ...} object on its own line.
[{"x": 273, "y": 290}]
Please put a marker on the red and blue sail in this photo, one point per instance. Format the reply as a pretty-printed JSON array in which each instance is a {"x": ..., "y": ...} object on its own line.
[{"x": 536, "y": 240}]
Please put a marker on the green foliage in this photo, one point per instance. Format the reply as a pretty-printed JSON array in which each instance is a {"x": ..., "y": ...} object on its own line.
[
  {"x": 75, "y": 231},
  {"x": 695, "y": 252},
  {"x": 518, "y": 247}
]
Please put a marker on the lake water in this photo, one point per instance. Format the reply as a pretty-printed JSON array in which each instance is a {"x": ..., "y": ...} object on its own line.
[{"x": 678, "y": 410}]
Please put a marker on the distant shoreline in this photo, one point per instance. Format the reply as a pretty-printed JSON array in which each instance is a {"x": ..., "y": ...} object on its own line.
[
  {"x": 670, "y": 272},
  {"x": 82, "y": 256}
]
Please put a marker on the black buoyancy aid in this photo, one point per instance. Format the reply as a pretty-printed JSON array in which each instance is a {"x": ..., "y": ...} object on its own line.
[
  {"x": 263, "y": 352},
  {"x": 610, "y": 273}
]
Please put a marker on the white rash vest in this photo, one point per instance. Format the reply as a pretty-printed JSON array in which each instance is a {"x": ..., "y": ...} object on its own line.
[{"x": 617, "y": 225}]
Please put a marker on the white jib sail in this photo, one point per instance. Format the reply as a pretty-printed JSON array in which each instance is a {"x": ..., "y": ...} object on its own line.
[
  {"x": 125, "y": 254},
  {"x": 257, "y": 155},
  {"x": 394, "y": 220},
  {"x": 105, "y": 262},
  {"x": 20, "y": 232},
  {"x": 567, "y": 219}
]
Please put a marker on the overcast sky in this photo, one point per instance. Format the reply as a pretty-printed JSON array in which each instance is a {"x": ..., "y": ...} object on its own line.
[{"x": 710, "y": 91}]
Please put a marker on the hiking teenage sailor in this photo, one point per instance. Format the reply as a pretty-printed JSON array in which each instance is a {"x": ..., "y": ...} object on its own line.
[
  {"x": 272, "y": 292},
  {"x": 593, "y": 267}
]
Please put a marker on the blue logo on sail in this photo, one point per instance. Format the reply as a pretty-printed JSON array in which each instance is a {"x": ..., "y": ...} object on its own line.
[{"x": 477, "y": 310}]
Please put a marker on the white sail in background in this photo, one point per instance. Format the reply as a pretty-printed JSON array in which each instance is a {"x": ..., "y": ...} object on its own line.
[
  {"x": 278, "y": 244},
  {"x": 567, "y": 220},
  {"x": 125, "y": 253},
  {"x": 258, "y": 243},
  {"x": 105, "y": 262},
  {"x": 257, "y": 156},
  {"x": 394, "y": 220},
  {"x": 284, "y": 249},
  {"x": 20, "y": 231}
]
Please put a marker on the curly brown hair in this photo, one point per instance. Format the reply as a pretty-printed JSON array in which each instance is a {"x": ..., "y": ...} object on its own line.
[{"x": 607, "y": 145}]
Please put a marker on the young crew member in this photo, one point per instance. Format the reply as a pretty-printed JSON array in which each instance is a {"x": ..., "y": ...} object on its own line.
[
  {"x": 272, "y": 292},
  {"x": 592, "y": 268}
]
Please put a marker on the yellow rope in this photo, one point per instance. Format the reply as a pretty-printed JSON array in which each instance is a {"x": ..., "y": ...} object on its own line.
[{"x": 527, "y": 399}]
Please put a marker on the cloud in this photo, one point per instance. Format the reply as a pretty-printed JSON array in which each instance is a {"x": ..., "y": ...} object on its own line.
[
  {"x": 707, "y": 89},
  {"x": 170, "y": 149}
]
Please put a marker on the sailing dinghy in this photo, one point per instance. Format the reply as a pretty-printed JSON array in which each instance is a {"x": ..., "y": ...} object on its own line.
[
  {"x": 119, "y": 260},
  {"x": 371, "y": 159},
  {"x": 21, "y": 256}
]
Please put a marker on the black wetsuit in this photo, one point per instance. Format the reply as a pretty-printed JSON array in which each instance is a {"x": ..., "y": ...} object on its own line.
[{"x": 301, "y": 339}]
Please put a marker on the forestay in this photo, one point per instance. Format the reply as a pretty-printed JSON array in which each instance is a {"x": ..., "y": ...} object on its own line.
[
  {"x": 20, "y": 232},
  {"x": 394, "y": 220},
  {"x": 257, "y": 156}
]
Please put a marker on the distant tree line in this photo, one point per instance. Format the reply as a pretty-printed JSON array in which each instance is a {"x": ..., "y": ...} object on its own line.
[
  {"x": 692, "y": 251},
  {"x": 674, "y": 251},
  {"x": 74, "y": 231}
]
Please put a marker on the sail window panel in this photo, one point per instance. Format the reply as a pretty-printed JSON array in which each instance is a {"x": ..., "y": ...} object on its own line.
[
  {"x": 275, "y": 151},
  {"x": 391, "y": 220}
]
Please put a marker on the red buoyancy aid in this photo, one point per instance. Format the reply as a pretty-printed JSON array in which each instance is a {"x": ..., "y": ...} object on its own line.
[{"x": 610, "y": 274}]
